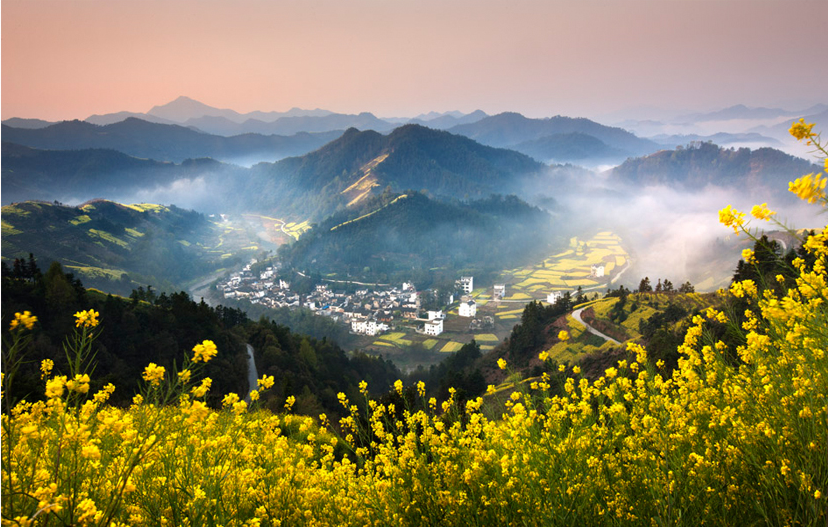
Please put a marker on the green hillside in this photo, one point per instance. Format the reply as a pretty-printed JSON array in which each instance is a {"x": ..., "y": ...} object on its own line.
[
  {"x": 393, "y": 237},
  {"x": 117, "y": 247}
]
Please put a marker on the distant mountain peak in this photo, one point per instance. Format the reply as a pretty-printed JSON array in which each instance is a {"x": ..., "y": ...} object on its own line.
[{"x": 184, "y": 108}]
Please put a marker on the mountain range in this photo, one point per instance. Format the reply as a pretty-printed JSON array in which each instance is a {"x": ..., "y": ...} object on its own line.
[
  {"x": 165, "y": 142},
  {"x": 548, "y": 138},
  {"x": 360, "y": 164}
]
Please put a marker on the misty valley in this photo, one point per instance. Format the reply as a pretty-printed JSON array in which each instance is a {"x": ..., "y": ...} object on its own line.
[
  {"x": 393, "y": 288},
  {"x": 322, "y": 220}
]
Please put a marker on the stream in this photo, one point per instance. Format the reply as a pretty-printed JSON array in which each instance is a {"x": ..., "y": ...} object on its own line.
[{"x": 252, "y": 374}]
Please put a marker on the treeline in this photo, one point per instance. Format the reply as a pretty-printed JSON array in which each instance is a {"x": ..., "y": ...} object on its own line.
[{"x": 163, "y": 329}]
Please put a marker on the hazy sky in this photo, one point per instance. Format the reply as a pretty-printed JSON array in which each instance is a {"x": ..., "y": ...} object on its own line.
[{"x": 69, "y": 59}]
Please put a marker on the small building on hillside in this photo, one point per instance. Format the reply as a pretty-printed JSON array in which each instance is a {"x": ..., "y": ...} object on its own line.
[
  {"x": 466, "y": 283},
  {"x": 499, "y": 292},
  {"x": 435, "y": 315},
  {"x": 597, "y": 271},
  {"x": 468, "y": 309},
  {"x": 433, "y": 327}
]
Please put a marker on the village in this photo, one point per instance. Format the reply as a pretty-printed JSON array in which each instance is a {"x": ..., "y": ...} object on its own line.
[
  {"x": 397, "y": 320},
  {"x": 367, "y": 311}
]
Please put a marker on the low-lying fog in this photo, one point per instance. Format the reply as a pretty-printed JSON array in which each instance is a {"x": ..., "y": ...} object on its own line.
[{"x": 670, "y": 233}]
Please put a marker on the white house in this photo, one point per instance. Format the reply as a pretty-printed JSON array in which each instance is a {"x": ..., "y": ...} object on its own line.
[
  {"x": 434, "y": 315},
  {"x": 368, "y": 327},
  {"x": 466, "y": 283},
  {"x": 468, "y": 309},
  {"x": 553, "y": 297},
  {"x": 499, "y": 291},
  {"x": 597, "y": 270},
  {"x": 433, "y": 327}
]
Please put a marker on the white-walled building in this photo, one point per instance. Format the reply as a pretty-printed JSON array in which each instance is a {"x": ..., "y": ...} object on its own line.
[
  {"x": 368, "y": 327},
  {"x": 597, "y": 270},
  {"x": 499, "y": 290},
  {"x": 433, "y": 327},
  {"x": 434, "y": 315},
  {"x": 466, "y": 283},
  {"x": 554, "y": 296},
  {"x": 468, "y": 309}
]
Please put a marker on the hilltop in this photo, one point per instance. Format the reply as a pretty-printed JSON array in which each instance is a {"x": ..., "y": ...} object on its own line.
[
  {"x": 701, "y": 164},
  {"x": 361, "y": 164}
]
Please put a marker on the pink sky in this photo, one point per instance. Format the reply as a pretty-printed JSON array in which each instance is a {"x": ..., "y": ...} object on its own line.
[{"x": 69, "y": 59}]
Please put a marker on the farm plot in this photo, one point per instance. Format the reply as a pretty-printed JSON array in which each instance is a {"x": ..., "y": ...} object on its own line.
[{"x": 579, "y": 266}]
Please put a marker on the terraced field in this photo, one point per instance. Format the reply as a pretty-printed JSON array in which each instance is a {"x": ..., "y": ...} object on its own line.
[
  {"x": 567, "y": 270},
  {"x": 277, "y": 230}
]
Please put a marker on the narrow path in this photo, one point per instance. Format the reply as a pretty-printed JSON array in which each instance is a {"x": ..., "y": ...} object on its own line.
[{"x": 577, "y": 316}]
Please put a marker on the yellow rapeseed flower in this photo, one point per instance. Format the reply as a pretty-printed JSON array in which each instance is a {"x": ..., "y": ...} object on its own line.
[
  {"x": 25, "y": 319},
  {"x": 204, "y": 351},
  {"x": 810, "y": 187},
  {"x": 563, "y": 336},
  {"x": 761, "y": 212},
  {"x": 46, "y": 368},
  {"x": 87, "y": 319},
  {"x": 203, "y": 388},
  {"x": 501, "y": 363},
  {"x": 801, "y": 130},
  {"x": 731, "y": 217},
  {"x": 154, "y": 373}
]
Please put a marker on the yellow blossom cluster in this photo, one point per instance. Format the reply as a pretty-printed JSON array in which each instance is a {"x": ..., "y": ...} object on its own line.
[
  {"x": 24, "y": 319},
  {"x": 86, "y": 319},
  {"x": 205, "y": 351}
]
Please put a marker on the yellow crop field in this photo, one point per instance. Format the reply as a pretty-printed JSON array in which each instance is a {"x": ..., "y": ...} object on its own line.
[
  {"x": 95, "y": 233},
  {"x": 451, "y": 347},
  {"x": 381, "y": 343},
  {"x": 9, "y": 230},
  {"x": 429, "y": 343},
  {"x": 80, "y": 220},
  {"x": 486, "y": 337},
  {"x": 620, "y": 260},
  {"x": 582, "y": 283},
  {"x": 393, "y": 336},
  {"x": 519, "y": 296}
]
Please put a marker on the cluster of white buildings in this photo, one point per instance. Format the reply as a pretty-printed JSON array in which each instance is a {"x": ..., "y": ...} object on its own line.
[{"x": 367, "y": 312}]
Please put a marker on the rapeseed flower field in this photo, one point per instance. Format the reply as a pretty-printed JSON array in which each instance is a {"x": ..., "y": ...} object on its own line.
[{"x": 736, "y": 435}]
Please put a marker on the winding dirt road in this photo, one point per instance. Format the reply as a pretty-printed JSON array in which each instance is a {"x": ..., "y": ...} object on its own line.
[{"x": 577, "y": 316}]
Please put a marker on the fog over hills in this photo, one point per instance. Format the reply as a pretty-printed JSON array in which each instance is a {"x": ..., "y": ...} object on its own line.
[{"x": 311, "y": 176}]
